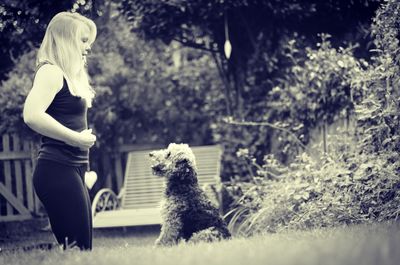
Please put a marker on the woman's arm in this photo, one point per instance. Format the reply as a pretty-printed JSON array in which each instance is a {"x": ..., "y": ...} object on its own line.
[{"x": 48, "y": 81}]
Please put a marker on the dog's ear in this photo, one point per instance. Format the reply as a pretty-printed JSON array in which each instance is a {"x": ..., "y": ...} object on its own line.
[
  {"x": 185, "y": 170},
  {"x": 182, "y": 163}
]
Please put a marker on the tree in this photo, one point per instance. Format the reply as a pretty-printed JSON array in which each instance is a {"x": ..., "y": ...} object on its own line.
[
  {"x": 23, "y": 24},
  {"x": 253, "y": 27},
  {"x": 258, "y": 32}
]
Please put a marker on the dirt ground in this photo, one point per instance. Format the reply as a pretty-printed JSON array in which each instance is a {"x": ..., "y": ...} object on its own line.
[{"x": 20, "y": 234}]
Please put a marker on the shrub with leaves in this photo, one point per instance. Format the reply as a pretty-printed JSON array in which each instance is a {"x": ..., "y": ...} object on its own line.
[
  {"x": 316, "y": 91},
  {"x": 378, "y": 113},
  {"x": 13, "y": 93},
  {"x": 357, "y": 181},
  {"x": 321, "y": 193},
  {"x": 150, "y": 93}
]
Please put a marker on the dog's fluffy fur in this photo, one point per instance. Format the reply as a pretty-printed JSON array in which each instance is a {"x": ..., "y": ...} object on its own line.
[{"x": 187, "y": 213}]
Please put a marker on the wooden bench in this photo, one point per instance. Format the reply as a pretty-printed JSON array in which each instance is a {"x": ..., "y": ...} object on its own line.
[{"x": 138, "y": 202}]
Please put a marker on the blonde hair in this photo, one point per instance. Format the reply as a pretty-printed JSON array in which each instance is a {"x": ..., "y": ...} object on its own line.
[{"x": 60, "y": 46}]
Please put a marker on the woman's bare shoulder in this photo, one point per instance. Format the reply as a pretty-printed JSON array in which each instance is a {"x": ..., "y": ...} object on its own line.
[{"x": 50, "y": 76}]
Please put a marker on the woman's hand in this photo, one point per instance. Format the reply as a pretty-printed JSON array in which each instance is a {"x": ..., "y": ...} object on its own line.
[{"x": 84, "y": 139}]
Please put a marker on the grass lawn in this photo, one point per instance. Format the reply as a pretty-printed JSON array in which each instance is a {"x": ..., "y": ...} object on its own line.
[{"x": 361, "y": 244}]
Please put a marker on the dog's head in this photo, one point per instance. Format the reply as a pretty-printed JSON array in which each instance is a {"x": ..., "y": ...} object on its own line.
[{"x": 175, "y": 158}]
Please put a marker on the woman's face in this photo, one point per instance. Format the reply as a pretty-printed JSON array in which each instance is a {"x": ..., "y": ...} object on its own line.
[{"x": 84, "y": 44}]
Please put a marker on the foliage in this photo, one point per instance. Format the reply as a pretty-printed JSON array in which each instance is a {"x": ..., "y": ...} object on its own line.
[
  {"x": 341, "y": 188},
  {"x": 150, "y": 93},
  {"x": 259, "y": 32},
  {"x": 13, "y": 93},
  {"x": 312, "y": 90},
  {"x": 22, "y": 25},
  {"x": 190, "y": 21},
  {"x": 208, "y": 24},
  {"x": 378, "y": 113},
  {"x": 357, "y": 181},
  {"x": 315, "y": 91}
]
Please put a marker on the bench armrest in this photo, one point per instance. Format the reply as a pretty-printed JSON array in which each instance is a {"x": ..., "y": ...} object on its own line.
[{"x": 105, "y": 200}]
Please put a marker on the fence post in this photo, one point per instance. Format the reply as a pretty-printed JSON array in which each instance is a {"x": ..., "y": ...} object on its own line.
[
  {"x": 28, "y": 179},
  {"x": 107, "y": 170},
  {"x": 18, "y": 169},
  {"x": 118, "y": 170},
  {"x": 7, "y": 171}
]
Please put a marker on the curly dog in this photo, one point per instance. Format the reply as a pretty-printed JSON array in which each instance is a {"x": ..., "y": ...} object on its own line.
[{"x": 187, "y": 213}]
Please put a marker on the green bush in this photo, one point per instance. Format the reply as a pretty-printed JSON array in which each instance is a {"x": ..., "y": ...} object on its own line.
[
  {"x": 378, "y": 113},
  {"x": 357, "y": 180},
  {"x": 314, "y": 88},
  {"x": 316, "y": 91},
  {"x": 13, "y": 93},
  {"x": 320, "y": 193},
  {"x": 150, "y": 93}
]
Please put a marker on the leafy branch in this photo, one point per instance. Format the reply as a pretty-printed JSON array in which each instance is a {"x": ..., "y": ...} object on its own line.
[{"x": 230, "y": 120}]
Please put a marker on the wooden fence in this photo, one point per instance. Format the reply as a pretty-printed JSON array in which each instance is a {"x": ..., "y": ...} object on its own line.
[{"x": 17, "y": 198}]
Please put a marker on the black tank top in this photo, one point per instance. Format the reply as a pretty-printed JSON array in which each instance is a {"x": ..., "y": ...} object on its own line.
[{"x": 70, "y": 111}]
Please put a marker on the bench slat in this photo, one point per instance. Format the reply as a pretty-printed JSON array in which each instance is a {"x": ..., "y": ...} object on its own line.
[{"x": 128, "y": 217}]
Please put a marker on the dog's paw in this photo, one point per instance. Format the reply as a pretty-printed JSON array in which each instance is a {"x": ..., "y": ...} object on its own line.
[
  {"x": 160, "y": 243},
  {"x": 164, "y": 242},
  {"x": 157, "y": 243}
]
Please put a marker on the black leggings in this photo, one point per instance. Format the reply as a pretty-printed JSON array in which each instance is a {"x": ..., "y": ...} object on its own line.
[{"x": 61, "y": 189}]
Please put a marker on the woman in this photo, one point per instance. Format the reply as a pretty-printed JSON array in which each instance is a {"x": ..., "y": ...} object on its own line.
[{"x": 56, "y": 107}]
